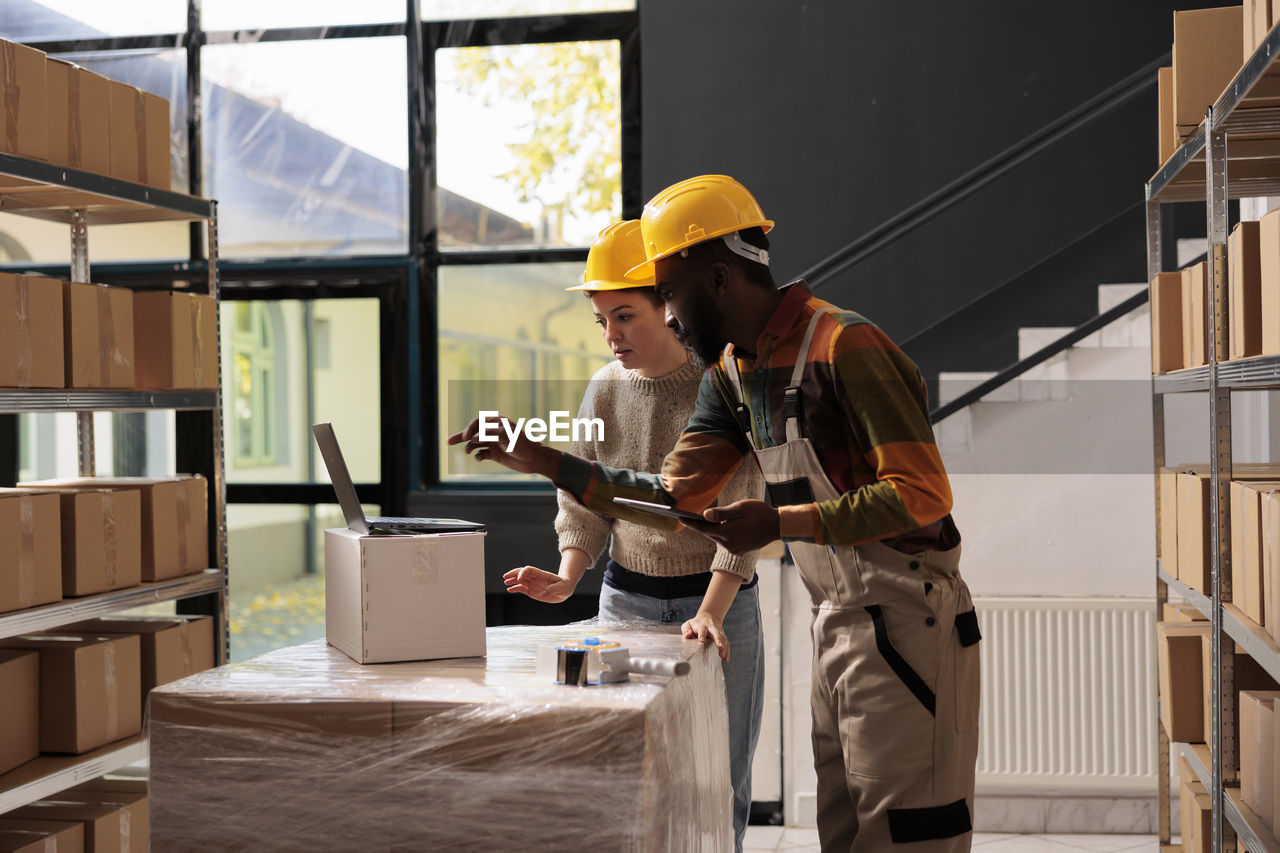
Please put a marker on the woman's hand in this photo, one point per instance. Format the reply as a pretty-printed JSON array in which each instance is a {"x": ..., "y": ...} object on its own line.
[
  {"x": 539, "y": 585},
  {"x": 705, "y": 626}
]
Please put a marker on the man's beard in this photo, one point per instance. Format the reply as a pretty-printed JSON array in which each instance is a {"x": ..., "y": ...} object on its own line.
[{"x": 702, "y": 335}]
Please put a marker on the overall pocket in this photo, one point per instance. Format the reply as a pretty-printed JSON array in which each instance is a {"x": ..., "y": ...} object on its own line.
[
  {"x": 968, "y": 670},
  {"x": 886, "y": 695}
]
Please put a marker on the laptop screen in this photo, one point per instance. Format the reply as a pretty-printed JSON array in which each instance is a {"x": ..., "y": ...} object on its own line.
[{"x": 340, "y": 477}]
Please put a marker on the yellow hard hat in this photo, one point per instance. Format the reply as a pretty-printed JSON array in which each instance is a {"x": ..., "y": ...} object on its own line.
[
  {"x": 614, "y": 252},
  {"x": 694, "y": 211}
]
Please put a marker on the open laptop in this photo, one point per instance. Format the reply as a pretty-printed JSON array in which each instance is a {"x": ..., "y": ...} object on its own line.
[{"x": 350, "y": 504}]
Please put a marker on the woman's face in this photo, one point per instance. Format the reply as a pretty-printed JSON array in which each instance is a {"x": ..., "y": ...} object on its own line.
[{"x": 634, "y": 328}]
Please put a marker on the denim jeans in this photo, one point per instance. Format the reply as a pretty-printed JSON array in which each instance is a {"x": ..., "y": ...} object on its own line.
[{"x": 743, "y": 674}]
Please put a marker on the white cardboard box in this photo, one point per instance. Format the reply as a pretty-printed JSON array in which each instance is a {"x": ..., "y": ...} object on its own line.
[{"x": 403, "y": 598}]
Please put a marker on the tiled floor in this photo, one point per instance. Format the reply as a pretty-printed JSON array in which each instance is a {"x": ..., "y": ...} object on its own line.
[{"x": 771, "y": 838}]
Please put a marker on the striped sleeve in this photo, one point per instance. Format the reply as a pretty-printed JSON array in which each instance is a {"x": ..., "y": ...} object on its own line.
[
  {"x": 884, "y": 400},
  {"x": 705, "y": 458}
]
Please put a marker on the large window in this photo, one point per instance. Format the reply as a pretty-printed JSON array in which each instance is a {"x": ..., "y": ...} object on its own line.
[{"x": 401, "y": 205}]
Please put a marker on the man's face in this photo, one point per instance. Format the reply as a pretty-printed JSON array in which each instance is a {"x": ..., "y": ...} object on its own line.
[{"x": 691, "y": 313}]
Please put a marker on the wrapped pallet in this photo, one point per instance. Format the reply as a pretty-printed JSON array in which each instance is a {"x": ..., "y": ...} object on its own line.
[{"x": 304, "y": 749}]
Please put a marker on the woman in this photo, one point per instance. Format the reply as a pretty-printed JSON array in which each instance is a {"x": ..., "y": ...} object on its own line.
[{"x": 645, "y": 399}]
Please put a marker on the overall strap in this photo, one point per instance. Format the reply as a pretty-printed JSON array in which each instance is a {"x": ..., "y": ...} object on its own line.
[
  {"x": 740, "y": 413},
  {"x": 791, "y": 394}
]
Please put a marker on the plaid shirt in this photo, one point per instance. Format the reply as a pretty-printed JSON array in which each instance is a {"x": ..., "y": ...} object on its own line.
[{"x": 864, "y": 408}]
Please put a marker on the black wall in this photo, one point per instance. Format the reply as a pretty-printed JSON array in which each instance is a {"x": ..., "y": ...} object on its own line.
[{"x": 839, "y": 114}]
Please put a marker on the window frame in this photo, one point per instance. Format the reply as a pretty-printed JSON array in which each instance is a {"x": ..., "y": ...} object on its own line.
[{"x": 405, "y": 284}]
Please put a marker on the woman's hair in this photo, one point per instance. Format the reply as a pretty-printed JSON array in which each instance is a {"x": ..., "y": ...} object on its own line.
[{"x": 648, "y": 291}]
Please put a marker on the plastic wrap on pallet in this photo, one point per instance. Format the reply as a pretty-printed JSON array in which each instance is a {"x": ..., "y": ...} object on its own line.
[{"x": 304, "y": 749}]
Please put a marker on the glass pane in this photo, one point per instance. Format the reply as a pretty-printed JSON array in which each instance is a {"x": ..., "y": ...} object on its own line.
[
  {"x": 528, "y": 141},
  {"x": 163, "y": 73},
  {"x": 46, "y": 20},
  {"x": 306, "y": 146},
  {"x": 125, "y": 444},
  {"x": 447, "y": 10},
  {"x": 271, "y": 398},
  {"x": 518, "y": 323},
  {"x": 254, "y": 14},
  {"x": 275, "y": 556}
]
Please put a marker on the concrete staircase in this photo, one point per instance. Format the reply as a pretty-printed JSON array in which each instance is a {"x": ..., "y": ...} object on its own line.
[{"x": 1052, "y": 471}]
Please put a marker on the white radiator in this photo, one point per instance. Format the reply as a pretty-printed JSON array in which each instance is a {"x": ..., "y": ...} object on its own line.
[{"x": 1068, "y": 696}]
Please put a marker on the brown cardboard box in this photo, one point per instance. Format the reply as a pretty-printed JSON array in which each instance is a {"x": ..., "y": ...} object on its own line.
[
  {"x": 1194, "y": 542},
  {"x": 139, "y": 136},
  {"x": 1259, "y": 588},
  {"x": 1269, "y": 518},
  {"x": 133, "y": 815},
  {"x": 1257, "y": 749},
  {"x": 1201, "y": 824},
  {"x": 127, "y": 153},
  {"x": 172, "y": 647},
  {"x": 1207, "y": 54},
  {"x": 1269, "y": 266},
  {"x": 101, "y": 540},
  {"x": 176, "y": 340},
  {"x": 1181, "y": 682},
  {"x": 98, "y": 327},
  {"x": 155, "y": 139},
  {"x": 108, "y": 827},
  {"x": 20, "y": 710},
  {"x": 1244, "y": 300},
  {"x": 40, "y": 836},
  {"x": 31, "y": 317},
  {"x": 1174, "y": 612},
  {"x": 1187, "y": 791},
  {"x": 1249, "y": 675},
  {"x": 31, "y": 561},
  {"x": 175, "y": 538},
  {"x": 88, "y": 689},
  {"x": 78, "y": 117},
  {"x": 1168, "y": 132},
  {"x": 22, "y": 101},
  {"x": 1167, "y": 541},
  {"x": 1166, "y": 322},
  {"x": 1194, "y": 281}
]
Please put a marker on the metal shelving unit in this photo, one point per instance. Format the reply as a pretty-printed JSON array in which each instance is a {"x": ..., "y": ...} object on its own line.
[
  {"x": 1235, "y": 153},
  {"x": 80, "y": 199}
]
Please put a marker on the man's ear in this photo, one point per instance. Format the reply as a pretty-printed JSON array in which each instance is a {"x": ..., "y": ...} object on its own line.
[{"x": 721, "y": 277}]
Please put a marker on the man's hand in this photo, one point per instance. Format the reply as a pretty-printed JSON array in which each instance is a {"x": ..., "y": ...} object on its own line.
[
  {"x": 539, "y": 585},
  {"x": 703, "y": 627},
  {"x": 526, "y": 457},
  {"x": 740, "y": 527}
]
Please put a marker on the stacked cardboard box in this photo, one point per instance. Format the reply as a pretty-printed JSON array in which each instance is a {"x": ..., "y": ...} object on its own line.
[
  {"x": 1166, "y": 323},
  {"x": 175, "y": 538},
  {"x": 1191, "y": 787},
  {"x": 1244, "y": 299},
  {"x": 89, "y": 689},
  {"x": 56, "y": 111},
  {"x": 101, "y": 540},
  {"x": 1207, "y": 54},
  {"x": 1194, "y": 340},
  {"x": 42, "y": 836},
  {"x": 1192, "y": 529},
  {"x": 1269, "y": 283},
  {"x": 31, "y": 559},
  {"x": 20, "y": 710},
  {"x": 172, "y": 647},
  {"x": 461, "y": 734},
  {"x": 176, "y": 340},
  {"x": 31, "y": 317},
  {"x": 1257, "y": 752},
  {"x": 1258, "y": 20},
  {"x": 98, "y": 328},
  {"x": 113, "y": 822}
]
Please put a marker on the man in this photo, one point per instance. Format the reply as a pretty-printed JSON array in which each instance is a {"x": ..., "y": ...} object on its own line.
[{"x": 837, "y": 418}]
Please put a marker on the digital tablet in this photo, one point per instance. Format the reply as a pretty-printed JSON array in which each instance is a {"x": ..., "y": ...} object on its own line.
[{"x": 659, "y": 509}]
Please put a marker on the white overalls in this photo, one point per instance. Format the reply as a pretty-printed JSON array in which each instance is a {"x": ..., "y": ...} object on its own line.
[{"x": 895, "y": 669}]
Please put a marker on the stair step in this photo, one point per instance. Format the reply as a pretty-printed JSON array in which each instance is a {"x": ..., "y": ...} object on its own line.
[
  {"x": 1133, "y": 329},
  {"x": 1111, "y": 295},
  {"x": 951, "y": 384},
  {"x": 1032, "y": 339}
]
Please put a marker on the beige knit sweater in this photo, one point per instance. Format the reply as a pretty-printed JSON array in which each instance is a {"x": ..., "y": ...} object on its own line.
[{"x": 643, "y": 418}]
